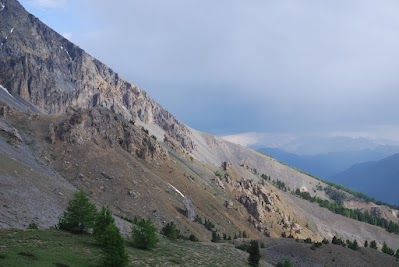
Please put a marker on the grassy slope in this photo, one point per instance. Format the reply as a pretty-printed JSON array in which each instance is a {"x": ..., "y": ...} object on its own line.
[{"x": 51, "y": 247}]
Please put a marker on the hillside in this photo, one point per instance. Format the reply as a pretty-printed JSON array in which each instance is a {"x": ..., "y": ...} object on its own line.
[
  {"x": 56, "y": 248},
  {"x": 68, "y": 123},
  {"x": 378, "y": 179}
]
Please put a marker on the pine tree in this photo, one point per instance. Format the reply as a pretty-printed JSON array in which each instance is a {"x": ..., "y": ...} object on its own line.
[
  {"x": 215, "y": 237},
  {"x": 353, "y": 245},
  {"x": 254, "y": 253},
  {"x": 244, "y": 234},
  {"x": 104, "y": 218},
  {"x": 397, "y": 254},
  {"x": 113, "y": 247},
  {"x": 387, "y": 249},
  {"x": 366, "y": 244},
  {"x": 170, "y": 231},
  {"x": 373, "y": 244},
  {"x": 79, "y": 215},
  {"x": 144, "y": 234}
]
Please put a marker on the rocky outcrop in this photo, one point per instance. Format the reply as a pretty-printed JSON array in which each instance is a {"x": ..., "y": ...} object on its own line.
[
  {"x": 106, "y": 128},
  {"x": 10, "y": 132},
  {"x": 42, "y": 67},
  {"x": 190, "y": 212},
  {"x": 259, "y": 202}
]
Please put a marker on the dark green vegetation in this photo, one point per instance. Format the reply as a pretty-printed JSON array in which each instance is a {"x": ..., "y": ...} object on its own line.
[
  {"x": 170, "y": 231},
  {"x": 104, "y": 218},
  {"x": 79, "y": 215},
  {"x": 254, "y": 253},
  {"x": 356, "y": 214},
  {"x": 387, "y": 250},
  {"x": 113, "y": 247},
  {"x": 144, "y": 234},
  {"x": 82, "y": 214},
  {"x": 285, "y": 263}
]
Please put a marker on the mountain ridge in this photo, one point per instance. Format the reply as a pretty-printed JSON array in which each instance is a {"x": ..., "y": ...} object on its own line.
[
  {"x": 108, "y": 138},
  {"x": 376, "y": 178},
  {"x": 58, "y": 75}
]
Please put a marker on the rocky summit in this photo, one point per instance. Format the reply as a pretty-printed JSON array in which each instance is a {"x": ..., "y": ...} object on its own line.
[{"x": 69, "y": 123}]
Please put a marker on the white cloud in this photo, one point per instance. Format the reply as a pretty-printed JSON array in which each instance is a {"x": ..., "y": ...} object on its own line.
[{"x": 263, "y": 139}]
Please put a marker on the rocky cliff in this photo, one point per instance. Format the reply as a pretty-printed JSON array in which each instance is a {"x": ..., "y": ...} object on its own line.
[{"x": 39, "y": 66}]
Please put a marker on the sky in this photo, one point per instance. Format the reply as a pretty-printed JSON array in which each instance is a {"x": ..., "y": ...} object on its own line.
[{"x": 258, "y": 72}]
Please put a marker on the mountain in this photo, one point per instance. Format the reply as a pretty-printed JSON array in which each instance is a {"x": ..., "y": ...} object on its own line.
[
  {"x": 327, "y": 165},
  {"x": 68, "y": 123},
  {"x": 379, "y": 179}
]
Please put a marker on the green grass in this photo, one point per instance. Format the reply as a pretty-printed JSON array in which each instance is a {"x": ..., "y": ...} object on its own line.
[
  {"x": 56, "y": 248},
  {"x": 46, "y": 248}
]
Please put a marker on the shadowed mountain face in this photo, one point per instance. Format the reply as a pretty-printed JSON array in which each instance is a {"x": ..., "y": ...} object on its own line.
[
  {"x": 88, "y": 129},
  {"x": 379, "y": 179}
]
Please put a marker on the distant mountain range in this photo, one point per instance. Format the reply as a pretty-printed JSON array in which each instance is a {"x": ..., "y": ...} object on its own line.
[
  {"x": 327, "y": 165},
  {"x": 368, "y": 171},
  {"x": 379, "y": 179}
]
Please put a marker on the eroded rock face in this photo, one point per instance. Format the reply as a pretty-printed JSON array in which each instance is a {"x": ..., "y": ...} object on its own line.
[
  {"x": 259, "y": 202},
  {"x": 45, "y": 69},
  {"x": 10, "y": 132},
  {"x": 107, "y": 128},
  {"x": 190, "y": 212}
]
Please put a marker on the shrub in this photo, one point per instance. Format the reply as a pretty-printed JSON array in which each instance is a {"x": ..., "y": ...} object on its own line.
[
  {"x": 353, "y": 245},
  {"x": 32, "y": 226},
  {"x": 262, "y": 245},
  {"x": 285, "y": 263},
  {"x": 308, "y": 241},
  {"x": 209, "y": 225},
  {"x": 316, "y": 245},
  {"x": 144, "y": 234},
  {"x": 170, "y": 231},
  {"x": 244, "y": 234},
  {"x": 243, "y": 247},
  {"x": 373, "y": 244},
  {"x": 387, "y": 250},
  {"x": 254, "y": 253},
  {"x": 216, "y": 237},
  {"x": 338, "y": 241},
  {"x": 79, "y": 215},
  {"x": 193, "y": 238},
  {"x": 113, "y": 247}
]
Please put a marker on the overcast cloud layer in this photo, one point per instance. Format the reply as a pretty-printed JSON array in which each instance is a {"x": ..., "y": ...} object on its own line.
[{"x": 285, "y": 68}]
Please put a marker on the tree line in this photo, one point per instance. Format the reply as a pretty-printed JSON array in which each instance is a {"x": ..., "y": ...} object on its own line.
[{"x": 356, "y": 214}]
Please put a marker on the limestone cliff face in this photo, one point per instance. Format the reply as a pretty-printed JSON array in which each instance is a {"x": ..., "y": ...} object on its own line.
[
  {"x": 107, "y": 129},
  {"x": 45, "y": 69}
]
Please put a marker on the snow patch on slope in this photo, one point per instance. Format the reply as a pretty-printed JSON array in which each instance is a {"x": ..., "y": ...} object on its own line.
[
  {"x": 66, "y": 51},
  {"x": 176, "y": 190},
  {"x": 5, "y": 90}
]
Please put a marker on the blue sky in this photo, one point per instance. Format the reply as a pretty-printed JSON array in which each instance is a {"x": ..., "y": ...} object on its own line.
[{"x": 258, "y": 71}]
